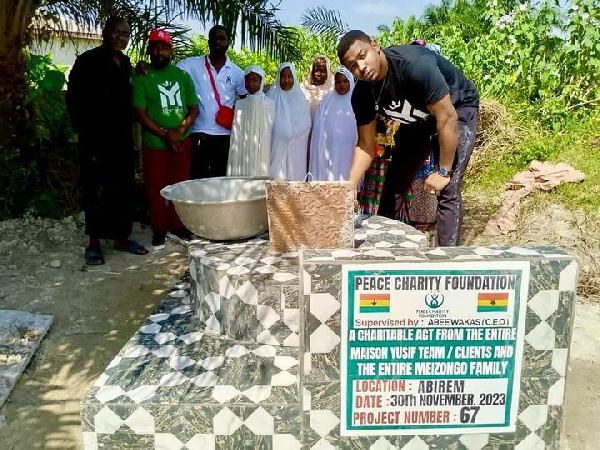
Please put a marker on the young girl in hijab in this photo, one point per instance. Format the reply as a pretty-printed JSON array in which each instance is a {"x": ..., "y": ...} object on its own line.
[
  {"x": 291, "y": 125},
  {"x": 334, "y": 133},
  {"x": 250, "y": 149},
  {"x": 318, "y": 82}
]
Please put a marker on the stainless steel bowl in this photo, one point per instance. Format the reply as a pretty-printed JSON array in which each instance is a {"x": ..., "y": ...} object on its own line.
[{"x": 222, "y": 208}]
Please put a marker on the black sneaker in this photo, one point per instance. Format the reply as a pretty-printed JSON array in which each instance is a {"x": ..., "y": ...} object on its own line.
[
  {"x": 158, "y": 240},
  {"x": 182, "y": 235}
]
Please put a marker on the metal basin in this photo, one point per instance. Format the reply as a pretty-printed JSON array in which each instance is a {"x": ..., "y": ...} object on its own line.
[{"x": 222, "y": 208}]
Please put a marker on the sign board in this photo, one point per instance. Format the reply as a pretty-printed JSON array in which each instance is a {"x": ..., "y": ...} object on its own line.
[{"x": 432, "y": 348}]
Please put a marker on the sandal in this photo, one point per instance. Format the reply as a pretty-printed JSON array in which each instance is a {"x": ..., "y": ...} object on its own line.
[
  {"x": 132, "y": 247},
  {"x": 93, "y": 257}
]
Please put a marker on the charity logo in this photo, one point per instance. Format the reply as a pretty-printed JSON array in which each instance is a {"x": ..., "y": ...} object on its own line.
[
  {"x": 434, "y": 300},
  {"x": 228, "y": 79}
]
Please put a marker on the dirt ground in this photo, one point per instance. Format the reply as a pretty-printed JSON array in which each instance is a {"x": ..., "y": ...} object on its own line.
[{"x": 96, "y": 310}]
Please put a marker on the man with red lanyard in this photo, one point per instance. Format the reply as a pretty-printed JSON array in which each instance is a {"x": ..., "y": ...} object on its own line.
[{"x": 217, "y": 81}]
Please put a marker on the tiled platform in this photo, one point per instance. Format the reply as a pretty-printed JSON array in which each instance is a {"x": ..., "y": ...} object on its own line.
[{"x": 268, "y": 375}]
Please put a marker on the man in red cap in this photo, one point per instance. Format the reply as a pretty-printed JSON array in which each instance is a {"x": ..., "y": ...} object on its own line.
[{"x": 166, "y": 106}]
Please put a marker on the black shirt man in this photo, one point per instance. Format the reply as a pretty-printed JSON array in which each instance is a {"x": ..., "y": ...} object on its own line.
[{"x": 437, "y": 109}]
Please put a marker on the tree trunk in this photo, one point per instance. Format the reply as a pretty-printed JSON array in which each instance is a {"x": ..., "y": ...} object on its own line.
[{"x": 14, "y": 20}]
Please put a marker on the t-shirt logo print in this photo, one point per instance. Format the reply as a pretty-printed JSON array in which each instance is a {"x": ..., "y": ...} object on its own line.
[
  {"x": 170, "y": 95},
  {"x": 403, "y": 112}
]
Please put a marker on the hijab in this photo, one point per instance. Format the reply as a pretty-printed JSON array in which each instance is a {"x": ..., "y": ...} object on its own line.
[
  {"x": 313, "y": 93},
  {"x": 292, "y": 113},
  {"x": 257, "y": 70}
]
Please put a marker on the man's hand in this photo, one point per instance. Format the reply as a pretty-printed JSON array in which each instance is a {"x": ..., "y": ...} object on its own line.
[
  {"x": 141, "y": 68},
  {"x": 435, "y": 183}
]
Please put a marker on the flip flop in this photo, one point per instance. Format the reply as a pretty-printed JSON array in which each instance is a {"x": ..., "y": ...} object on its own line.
[
  {"x": 93, "y": 257},
  {"x": 134, "y": 248}
]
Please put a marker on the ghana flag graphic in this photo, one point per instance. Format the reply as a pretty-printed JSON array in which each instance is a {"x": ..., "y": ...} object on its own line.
[
  {"x": 374, "y": 303},
  {"x": 492, "y": 302}
]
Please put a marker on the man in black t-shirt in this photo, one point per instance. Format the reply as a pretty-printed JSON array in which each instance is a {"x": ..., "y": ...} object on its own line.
[{"x": 436, "y": 107}]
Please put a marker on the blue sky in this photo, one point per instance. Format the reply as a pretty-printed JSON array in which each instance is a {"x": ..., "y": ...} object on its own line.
[{"x": 365, "y": 15}]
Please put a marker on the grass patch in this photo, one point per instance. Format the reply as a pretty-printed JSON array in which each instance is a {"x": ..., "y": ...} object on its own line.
[{"x": 577, "y": 144}]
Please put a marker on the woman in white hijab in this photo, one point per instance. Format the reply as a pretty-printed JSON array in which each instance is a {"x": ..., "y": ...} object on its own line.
[
  {"x": 291, "y": 125},
  {"x": 334, "y": 133},
  {"x": 250, "y": 149},
  {"x": 318, "y": 82}
]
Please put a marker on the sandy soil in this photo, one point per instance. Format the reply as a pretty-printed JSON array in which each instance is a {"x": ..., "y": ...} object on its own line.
[{"x": 98, "y": 309}]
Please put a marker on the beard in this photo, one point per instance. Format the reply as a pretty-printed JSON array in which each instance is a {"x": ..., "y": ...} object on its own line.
[{"x": 159, "y": 63}]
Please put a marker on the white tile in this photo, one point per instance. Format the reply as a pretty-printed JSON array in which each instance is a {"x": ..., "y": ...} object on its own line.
[
  {"x": 248, "y": 293},
  {"x": 559, "y": 360},
  {"x": 173, "y": 379},
  {"x": 90, "y": 441},
  {"x": 244, "y": 260},
  {"x": 190, "y": 338},
  {"x": 323, "y": 421},
  {"x": 183, "y": 309},
  {"x": 344, "y": 253},
  {"x": 107, "y": 393},
  {"x": 382, "y": 444},
  {"x": 150, "y": 329},
  {"x": 212, "y": 362},
  {"x": 141, "y": 422},
  {"x": 534, "y": 416},
  {"x": 223, "y": 266},
  {"x": 568, "y": 278},
  {"x": 236, "y": 351},
  {"x": 163, "y": 338},
  {"x": 523, "y": 251},
  {"x": 284, "y": 277},
  {"x": 266, "y": 351},
  {"x": 374, "y": 232},
  {"x": 306, "y": 400},
  {"x": 291, "y": 317},
  {"x": 159, "y": 317},
  {"x": 266, "y": 269},
  {"x": 379, "y": 253},
  {"x": 142, "y": 393},
  {"x": 283, "y": 378},
  {"x": 542, "y": 337},
  {"x": 323, "y": 444},
  {"x": 384, "y": 244},
  {"x": 101, "y": 380},
  {"x": 165, "y": 441},
  {"x": 201, "y": 442},
  {"x": 261, "y": 423},
  {"x": 238, "y": 270},
  {"x": 531, "y": 442},
  {"x": 265, "y": 337},
  {"x": 437, "y": 252},
  {"x": 306, "y": 282},
  {"x": 165, "y": 351},
  {"x": 271, "y": 260},
  {"x": 487, "y": 251},
  {"x": 293, "y": 340},
  {"x": 106, "y": 421},
  {"x": 323, "y": 306},
  {"x": 181, "y": 362},
  {"x": 223, "y": 394},
  {"x": 257, "y": 393},
  {"x": 286, "y": 442},
  {"x": 323, "y": 340},
  {"x": 474, "y": 441},
  {"x": 396, "y": 232},
  {"x": 467, "y": 257},
  {"x": 226, "y": 289},
  {"x": 556, "y": 393},
  {"x": 416, "y": 443},
  {"x": 544, "y": 303},
  {"x": 266, "y": 315},
  {"x": 212, "y": 325},
  {"x": 285, "y": 362},
  {"x": 213, "y": 301},
  {"x": 179, "y": 293}
]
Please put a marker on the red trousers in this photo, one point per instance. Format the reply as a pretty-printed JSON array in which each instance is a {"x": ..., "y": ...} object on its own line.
[{"x": 162, "y": 168}]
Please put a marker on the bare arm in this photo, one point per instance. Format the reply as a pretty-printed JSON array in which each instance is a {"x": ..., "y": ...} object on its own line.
[
  {"x": 363, "y": 153},
  {"x": 447, "y": 128}
]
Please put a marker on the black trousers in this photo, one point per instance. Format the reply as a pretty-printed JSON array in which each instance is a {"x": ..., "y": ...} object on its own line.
[
  {"x": 414, "y": 143},
  {"x": 209, "y": 155},
  {"x": 107, "y": 180}
]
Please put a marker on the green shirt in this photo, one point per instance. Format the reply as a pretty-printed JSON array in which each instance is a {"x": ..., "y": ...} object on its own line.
[{"x": 166, "y": 95}]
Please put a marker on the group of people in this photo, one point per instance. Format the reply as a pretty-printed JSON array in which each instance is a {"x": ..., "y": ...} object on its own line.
[{"x": 205, "y": 117}]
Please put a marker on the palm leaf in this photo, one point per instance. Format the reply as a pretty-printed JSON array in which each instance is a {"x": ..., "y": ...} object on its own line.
[{"x": 322, "y": 20}]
